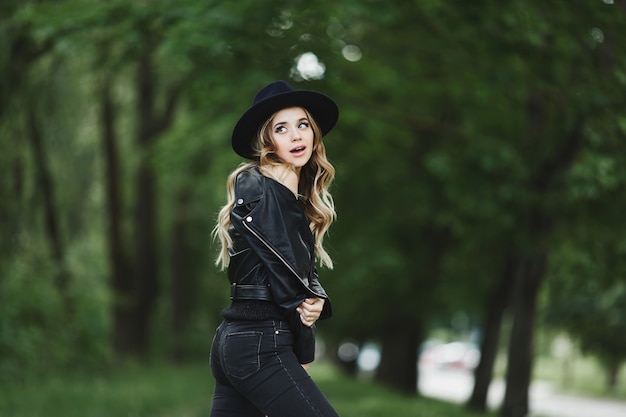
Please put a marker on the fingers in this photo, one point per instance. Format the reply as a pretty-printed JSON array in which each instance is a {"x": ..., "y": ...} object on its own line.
[
  {"x": 310, "y": 310},
  {"x": 313, "y": 304},
  {"x": 308, "y": 319},
  {"x": 307, "y": 322}
]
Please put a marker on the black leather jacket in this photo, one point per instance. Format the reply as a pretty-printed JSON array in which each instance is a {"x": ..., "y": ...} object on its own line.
[{"x": 272, "y": 256}]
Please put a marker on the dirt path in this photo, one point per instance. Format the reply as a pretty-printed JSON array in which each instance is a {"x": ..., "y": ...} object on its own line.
[{"x": 456, "y": 386}]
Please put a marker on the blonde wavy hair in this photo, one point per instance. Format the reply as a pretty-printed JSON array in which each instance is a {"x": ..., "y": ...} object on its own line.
[{"x": 315, "y": 180}]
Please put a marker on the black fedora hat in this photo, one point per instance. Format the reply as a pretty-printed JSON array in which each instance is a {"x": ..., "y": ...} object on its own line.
[{"x": 274, "y": 97}]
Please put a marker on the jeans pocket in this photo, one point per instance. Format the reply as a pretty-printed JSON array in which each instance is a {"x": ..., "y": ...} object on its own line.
[
  {"x": 242, "y": 353},
  {"x": 283, "y": 340}
]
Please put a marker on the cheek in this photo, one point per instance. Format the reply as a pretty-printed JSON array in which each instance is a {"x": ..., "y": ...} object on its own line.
[{"x": 281, "y": 146}]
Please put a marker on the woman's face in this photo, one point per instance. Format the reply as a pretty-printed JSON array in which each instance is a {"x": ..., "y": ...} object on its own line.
[{"x": 293, "y": 136}]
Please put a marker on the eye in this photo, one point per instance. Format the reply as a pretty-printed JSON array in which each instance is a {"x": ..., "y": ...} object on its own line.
[
  {"x": 280, "y": 129},
  {"x": 303, "y": 125}
]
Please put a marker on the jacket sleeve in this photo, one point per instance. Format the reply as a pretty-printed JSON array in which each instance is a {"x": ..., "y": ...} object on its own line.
[
  {"x": 317, "y": 287},
  {"x": 263, "y": 217}
]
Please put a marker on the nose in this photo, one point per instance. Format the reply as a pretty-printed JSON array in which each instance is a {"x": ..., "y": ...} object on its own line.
[{"x": 296, "y": 136}]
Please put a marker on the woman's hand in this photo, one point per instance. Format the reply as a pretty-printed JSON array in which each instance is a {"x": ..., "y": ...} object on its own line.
[{"x": 310, "y": 310}]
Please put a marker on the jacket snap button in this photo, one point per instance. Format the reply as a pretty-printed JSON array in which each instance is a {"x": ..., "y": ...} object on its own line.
[
  {"x": 240, "y": 201},
  {"x": 249, "y": 219}
]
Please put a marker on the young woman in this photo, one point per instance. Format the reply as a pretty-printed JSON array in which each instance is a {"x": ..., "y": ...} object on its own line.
[{"x": 271, "y": 231}]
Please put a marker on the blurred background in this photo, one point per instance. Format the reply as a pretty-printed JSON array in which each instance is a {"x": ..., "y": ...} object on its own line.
[{"x": 479, "y": 192}]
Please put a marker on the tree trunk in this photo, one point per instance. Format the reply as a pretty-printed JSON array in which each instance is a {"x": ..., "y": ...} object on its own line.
[
  {"x": 146, "y": 254},
  {"x": 497, "y": 301},
  {"x": 145, "y": 261},
  {"x": 401, "y": 337},
  {"x": 121, "y": 278},
  {"x": 51, "y": 215},
  {"x": 402, "y": 333},
  {"x": 183, "y": 283},
  {"x": 547, "y": 180},
  {"x": 612, "y": 375},
  {"x": 528, "y": 278}
]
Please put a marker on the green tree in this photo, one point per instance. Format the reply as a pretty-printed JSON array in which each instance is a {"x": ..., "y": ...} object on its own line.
[
  {"x": 585, "y": 294},
  {"x": 460, "y": 146}
]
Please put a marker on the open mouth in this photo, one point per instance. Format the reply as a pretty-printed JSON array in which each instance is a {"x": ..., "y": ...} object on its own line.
[{"x": 298, "y": 149}]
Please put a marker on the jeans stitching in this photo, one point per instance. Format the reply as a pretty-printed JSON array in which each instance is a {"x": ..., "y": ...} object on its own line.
[{"x": 302, "y": 394}]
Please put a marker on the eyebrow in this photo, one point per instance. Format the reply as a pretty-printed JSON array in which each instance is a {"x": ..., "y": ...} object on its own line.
[{"x": 299, "y": 120}]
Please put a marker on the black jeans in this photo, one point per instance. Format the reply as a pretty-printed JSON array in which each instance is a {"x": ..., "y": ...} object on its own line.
[{"x": 257, "y": 373}]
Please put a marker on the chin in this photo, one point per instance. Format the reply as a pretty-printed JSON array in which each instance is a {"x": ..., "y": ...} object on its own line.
[{"x": 301, "y": 162}]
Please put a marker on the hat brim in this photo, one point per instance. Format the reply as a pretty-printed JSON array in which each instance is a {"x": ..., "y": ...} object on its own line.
[{"x": 322, "y": 108}]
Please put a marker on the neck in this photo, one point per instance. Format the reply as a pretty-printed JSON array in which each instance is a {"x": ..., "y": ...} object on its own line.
[{"x": 287, "y": 175}]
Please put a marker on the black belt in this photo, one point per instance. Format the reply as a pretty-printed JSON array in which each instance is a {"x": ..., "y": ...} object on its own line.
[{"x": 250, "y": 292}]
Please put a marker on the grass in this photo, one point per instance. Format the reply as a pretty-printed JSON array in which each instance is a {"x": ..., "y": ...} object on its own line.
[
  {"x": 133, "y": 392},
  {"x": 365, "y": 399},
  {"x": 169, "y": 391}
]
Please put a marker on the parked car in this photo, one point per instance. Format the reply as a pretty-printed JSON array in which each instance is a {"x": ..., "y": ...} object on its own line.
[{"x": 459, "y": 355}]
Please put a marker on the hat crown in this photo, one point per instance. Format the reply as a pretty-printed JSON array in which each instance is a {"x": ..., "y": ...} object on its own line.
[{"x": 271, "y": 90}]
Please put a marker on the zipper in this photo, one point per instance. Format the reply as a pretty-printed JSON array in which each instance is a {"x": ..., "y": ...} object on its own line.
[{"x": 278, "y": 255}]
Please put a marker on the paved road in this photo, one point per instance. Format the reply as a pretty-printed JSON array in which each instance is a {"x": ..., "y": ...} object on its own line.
[{"x": 456, "y": 386}]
